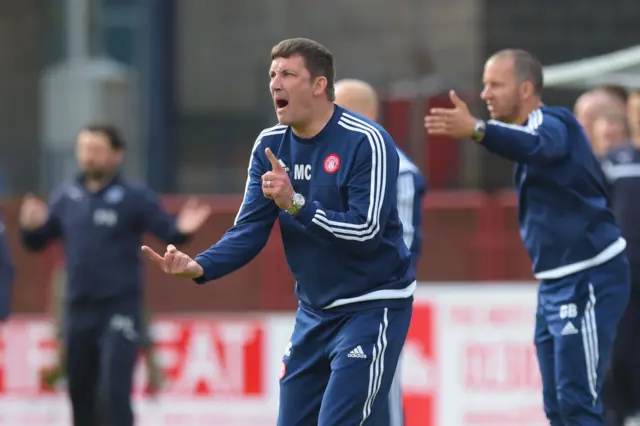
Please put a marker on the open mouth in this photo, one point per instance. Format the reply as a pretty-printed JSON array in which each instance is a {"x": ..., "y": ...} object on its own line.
[{"x": 281, "y": 103}]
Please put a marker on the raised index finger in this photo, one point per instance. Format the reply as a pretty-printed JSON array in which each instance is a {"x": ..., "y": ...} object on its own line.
[
  {"x": 275, "y": 165},
  {"x": 155, "y": 257}
]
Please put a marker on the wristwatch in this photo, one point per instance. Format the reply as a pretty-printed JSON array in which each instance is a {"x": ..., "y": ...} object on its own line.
[
  {"x": 298, "y": 203},
  {"x": 478, "y": 130}
]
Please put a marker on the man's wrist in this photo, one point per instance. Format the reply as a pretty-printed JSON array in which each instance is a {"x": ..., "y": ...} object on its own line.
[
  {"x": 297, "y": 203},
  {"x": 306, "y": 213},
  {"x": 479, "y": 130},
  {"x": 199, "y": 270}
]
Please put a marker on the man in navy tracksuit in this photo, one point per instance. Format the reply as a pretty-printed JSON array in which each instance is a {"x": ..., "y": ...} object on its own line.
[
  {"x": 101, "y": 218},
  {"x": 329, "y": 176},
  {"x": 571, "y": 236},
  {"x": 360, "y": 97},
  {"x": 7, "y": 274},
  {"x": 622, "y": 391}
]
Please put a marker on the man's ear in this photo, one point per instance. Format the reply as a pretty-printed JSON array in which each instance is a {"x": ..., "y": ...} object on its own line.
[
  {"x": 526, "y": 90},
  {"x": 118, "y": 157},
  {"x": 320, "y": 85}
]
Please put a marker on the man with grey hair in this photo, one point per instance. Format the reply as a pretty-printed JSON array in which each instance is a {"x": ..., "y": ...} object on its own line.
[{"x": 359, "y": 97}]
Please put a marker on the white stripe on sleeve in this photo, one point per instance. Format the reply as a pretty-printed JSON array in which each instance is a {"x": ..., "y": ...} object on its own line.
[
  {"x": 534, "y": 121},
  {"x": 371, "y": 226},
  {"x": 406, "y": 195}
]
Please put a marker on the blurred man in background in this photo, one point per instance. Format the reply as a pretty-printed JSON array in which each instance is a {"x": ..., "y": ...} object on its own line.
[
  {"x": 56, "y": 375},
  {"x": 620, "y": 93},
  {"x": 7, "y": 274},
  {"x": 359, "y": 97},
  {"x": 633, "y": 115},
  {"x": 594, "y": 104},
  {"x": 622, "y": 168},
  {"x": 610, "y": 132},
  {"x": 101, "y": 218}
]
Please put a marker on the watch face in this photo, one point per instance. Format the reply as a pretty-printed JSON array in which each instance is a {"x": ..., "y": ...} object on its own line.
[{"x": 298, "y": 199}]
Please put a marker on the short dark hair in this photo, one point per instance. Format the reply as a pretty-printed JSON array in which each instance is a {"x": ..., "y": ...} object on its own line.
[
  {"x": 317, "y": 58},
  {"x": 526, "y": 67},
  {"x": 113, "y": 134},
  {"x": 616, "y": 91}
]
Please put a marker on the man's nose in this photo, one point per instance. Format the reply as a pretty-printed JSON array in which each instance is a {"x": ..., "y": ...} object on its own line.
[{"x": 276, "y": 83}]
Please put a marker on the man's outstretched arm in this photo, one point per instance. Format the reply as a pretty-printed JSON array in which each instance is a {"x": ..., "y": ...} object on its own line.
[
  {"x": 240, "y": 244},
  {"x": 544, "y": 139}
]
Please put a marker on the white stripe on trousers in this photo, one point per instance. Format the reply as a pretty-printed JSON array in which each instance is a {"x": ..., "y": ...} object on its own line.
[
  {"x": 396, "y": 413},
  {"x": 590, "y": 342},
  {"x": 376, "y": 370}
]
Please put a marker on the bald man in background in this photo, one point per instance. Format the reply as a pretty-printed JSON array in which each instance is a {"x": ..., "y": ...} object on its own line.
[
  {"x": 360, "y": 98},
  {"x": 592, "y": 105}
]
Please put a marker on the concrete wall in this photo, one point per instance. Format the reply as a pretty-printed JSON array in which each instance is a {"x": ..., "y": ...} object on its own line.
[
  {"x": 224, "y": 46},
  {"x": 20, "y": 56},
  {"x": 223, "y": 61}
]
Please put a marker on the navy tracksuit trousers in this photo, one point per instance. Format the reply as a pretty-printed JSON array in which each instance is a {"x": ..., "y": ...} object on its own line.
[
  {"x": 576, "y": 325},
  {"x": 101, "y": 343}
]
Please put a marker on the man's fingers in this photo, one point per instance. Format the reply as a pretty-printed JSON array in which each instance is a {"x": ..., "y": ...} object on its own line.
[
  {"x": 445, "y": 117},
  {"x": 442, "y": 112},
  {"x": 436, "y": 125},
  {"x": 438, "y": 132},
  {"x": 173, "y": 262},
  {"x": 204, "y": 212},
  {"x": 272, "y": 181},
  {"x": 191, "y": 203},
  {"x": 269, "y": 176},
  {"x": 275, "y": 165},
  {"x": 32, "y": 202},
  {"x": 433, "y": 122},
  {"x": 155, "y": 257},
  {"x": 433, "y": 119},
  {"x": 33, "y": 198},
  {"x": 29, "y": 196},
  {"x": 459, "y": 103},
  {"x": 182, "y": 263}
]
